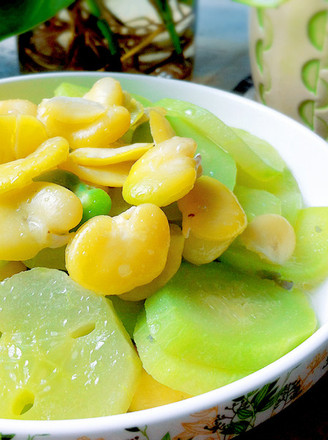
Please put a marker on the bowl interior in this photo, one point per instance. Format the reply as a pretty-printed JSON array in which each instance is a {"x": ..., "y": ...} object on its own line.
[{"x": 305, "y": 153}]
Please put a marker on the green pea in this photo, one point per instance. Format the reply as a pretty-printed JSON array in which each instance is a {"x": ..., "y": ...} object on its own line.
[{"x": 95, "y": 201}]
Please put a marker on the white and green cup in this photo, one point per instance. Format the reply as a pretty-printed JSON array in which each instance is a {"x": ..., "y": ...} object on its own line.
[{"x": 289, "y": 58}]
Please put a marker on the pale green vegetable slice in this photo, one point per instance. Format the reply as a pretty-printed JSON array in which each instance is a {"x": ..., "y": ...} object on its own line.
[
  {"x": 53, "y": 258},
  {"x": 174, "y": 371},
  {"x": 263, "y": 149},
  {"x": 71, "y": 90},
  {"x": 284, "y": 186},
  {"x": 215, "y": 316},
  {"x": 127, "y": 311},
  {"x": 257, "y": 202},
  {"x": 64, "y": 354},
  {"x": 216, "y": 130},
  {"x": 215, "y": 161}
]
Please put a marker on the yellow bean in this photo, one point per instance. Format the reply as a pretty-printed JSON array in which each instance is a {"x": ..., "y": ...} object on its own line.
[
  {"x": 10, "y": 269},
  {"x": 113, "y": 255},
  {"x": 271, "y": 236},
  {"x": 18, "y": 106},
  {"x": 199, "y": 251},
  {"x": 164, "y": 174},
  {"x": 172, "y": 265},
  {"x": 211, "y": 211},
  {"x": 30, "y": 134},
  {"x": 70, "y": 110},
  {"x": 35, "y": 217},
  {"x": 211, "y": 219},
  {"x": 160, "y": 127},
  {"x": 109, "y": 175},
  {"x": 108, "y": 156},
  {"x": 150, "y": 394},
  {"x": 101, "y": 132},
  {"x": 107, "y": 91},
  {"x": 20, "y": 172},
  {"x": 8, "y": 124}
]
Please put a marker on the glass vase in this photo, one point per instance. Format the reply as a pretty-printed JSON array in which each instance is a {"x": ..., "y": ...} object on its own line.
[{"x": 153, "y": 37}]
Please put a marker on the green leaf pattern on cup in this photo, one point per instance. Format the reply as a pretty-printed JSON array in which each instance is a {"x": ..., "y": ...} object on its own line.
[
  {"x": 311, "y": 109},
  {"x": 288, "y": 48}
]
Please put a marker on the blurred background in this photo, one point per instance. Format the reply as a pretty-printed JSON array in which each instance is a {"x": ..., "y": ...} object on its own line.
[{"x": 220, "y": 47}]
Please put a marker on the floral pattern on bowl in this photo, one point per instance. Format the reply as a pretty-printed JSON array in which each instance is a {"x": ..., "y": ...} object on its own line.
[
  {"x": 223, "y": 422},
  {"x": 247, "y": 411}
]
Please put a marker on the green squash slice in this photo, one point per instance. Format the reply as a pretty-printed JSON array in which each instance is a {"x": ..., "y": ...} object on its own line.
[
  {"x": 171, "y": 370},
  {"x": 216, "y": 316},
  {"x": 260, "y": 166},
  {"x": 64, "y": 354}
]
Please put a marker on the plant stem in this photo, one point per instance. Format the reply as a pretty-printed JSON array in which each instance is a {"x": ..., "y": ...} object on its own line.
[
  {"x": 165, "y": 12},
  {"x": 105, "y": 30}
]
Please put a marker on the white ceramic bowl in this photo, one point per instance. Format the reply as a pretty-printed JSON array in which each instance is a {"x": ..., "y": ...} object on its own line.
[{"x": 202, "y": 417}]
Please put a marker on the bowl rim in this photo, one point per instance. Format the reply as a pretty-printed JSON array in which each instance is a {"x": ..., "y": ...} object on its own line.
[{"x": 271, "y": 372}]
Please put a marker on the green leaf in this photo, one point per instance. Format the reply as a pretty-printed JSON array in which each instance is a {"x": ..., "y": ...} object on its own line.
[
  {"x": 106, "y": 31},
  {"x": 36, "y": 435},
  {"x": 236, "y": 427},
  {"x": 268, "y": 404},
  {"x": 167, "y": 436},
  {"x": 241, "y": 398},
  {"x": 134, "y": 429},
  {"x": 17, "y": 16},
  {"x": 243, "y": 414},
  {"x": 264, "y": 396},
  {"x": 262, "y": 3}
]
